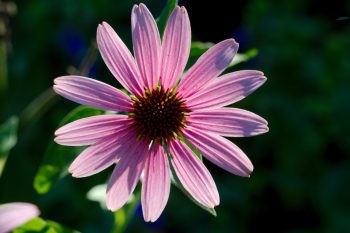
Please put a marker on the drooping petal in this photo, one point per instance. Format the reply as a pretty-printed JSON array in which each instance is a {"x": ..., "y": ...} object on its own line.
[
  {"x": 176, "y": 47},
  {"x": 219, "y": 151},
  {"x": 126, "y": 174},
  {"x": 156, "y": 183},
  {"x": 208, "y": 66},
  {"x": 230, "y": 122},
  {"x": 193, "y": 175},
  {"x": 90, "y": 130},
  {"x": 15, "y": 214},
  {"x": 119, "y": 59},
  {"x": 100, "y": 156},
  {"x": 147, "y": 47},
  {"x": 91, "y": 92},
  {"x": 226, "y": 90}
]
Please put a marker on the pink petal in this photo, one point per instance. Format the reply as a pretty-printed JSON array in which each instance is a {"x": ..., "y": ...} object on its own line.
[
  {"x": 208, "y": 66},
  {"x": 176, "y": 47},
  {"x": 156, "y": 183},
  {"x": 98, "y": 157},
  {"x": 147, "y": 47},
  {"x": 193, "y": 175},
  {"x": 119, "y": 59},
  {"x": 219, "y": 151},
  {"x": 126, "y": 174},
  {"x": 230, "y": 122},
  {"x": 93, "y": 93},
  {"x": 15, "y": 214},
  {"x": 90, "y": 130},
  {"x": 226, "y": 90}
]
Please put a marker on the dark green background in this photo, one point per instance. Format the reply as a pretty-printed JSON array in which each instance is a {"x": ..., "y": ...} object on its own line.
[{"x": 302, "y": 167}]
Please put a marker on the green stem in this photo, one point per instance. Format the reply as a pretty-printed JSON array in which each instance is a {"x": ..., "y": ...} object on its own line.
[
  {"x": 3, "y": 60},
  {"x": 49, "y": 98},
  {"x": 88, "y": 59},
  {"x": 7, "y": 9},
  {"x": 38, "y": 107},
  {"x": 2, "y": 163},
  {"x": 123, "y": 216}
]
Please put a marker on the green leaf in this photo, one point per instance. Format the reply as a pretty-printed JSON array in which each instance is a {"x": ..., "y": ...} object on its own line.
[
  {"x": 59, "y": 228},
  {"x": 57, "y": 157},
  {"x": 243, "y": 57},
  {"x": 163, "y": 18},
  {"x": 197, "y": 49},
  {"x": 42, "y": 226},
  {"x": 98, "y": 193},
  {"x": 34, "y": 225},
  {"x": 8, "y": 135},
  {"x": 175, "y": 181}
]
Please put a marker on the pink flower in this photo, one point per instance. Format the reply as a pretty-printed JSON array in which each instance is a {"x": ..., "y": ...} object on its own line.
[
  {"x": 161, "y": 112},
  {"x": 15, "y": 214}
]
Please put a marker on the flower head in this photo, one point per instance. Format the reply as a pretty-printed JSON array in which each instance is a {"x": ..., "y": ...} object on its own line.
[
  {"x": 165, "y": 108},
  {"x": 15, "y": 214}
]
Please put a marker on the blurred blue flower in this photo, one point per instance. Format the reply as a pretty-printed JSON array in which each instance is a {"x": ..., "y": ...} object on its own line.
[{"x": 73, "y": 44}]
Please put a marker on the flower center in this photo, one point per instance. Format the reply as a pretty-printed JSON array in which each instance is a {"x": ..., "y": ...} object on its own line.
[{"x": 158, "y": 115}]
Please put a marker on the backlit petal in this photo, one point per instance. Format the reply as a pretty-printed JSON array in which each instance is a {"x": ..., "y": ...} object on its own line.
[
  {"x": 98, "y": 157},
  {"x": 230, "y": 122},
  {"x": 176, "y": 47},
  {"x": 156, "y": 183},
  {"x": 226, "y": 90},
  {"x": 89, "y": 130},
  {"x": 119, "y": 59},
  {"x": 147, "y": 47},
  {"x": 15, "y": 214},
  {"x": 193, "y": 175},
  {"x": 208, "y": 66},
  {"x": 91, "y": 92},
  {"x": 126, "y": 174},
  {"x": 219, "y": 151}
]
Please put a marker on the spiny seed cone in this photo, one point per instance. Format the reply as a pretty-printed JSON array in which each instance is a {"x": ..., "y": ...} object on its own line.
[{"x": 159, "y": 114}]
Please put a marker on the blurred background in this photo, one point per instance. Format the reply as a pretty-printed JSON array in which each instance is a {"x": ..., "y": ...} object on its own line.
[{"x": 302, "y": 166}]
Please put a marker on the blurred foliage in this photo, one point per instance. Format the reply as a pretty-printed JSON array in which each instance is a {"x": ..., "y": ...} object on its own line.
[
  {"x": 8, "y": 135},
  {"x": 163, "y": 17},
  {"x": 302, "y": 166},
  {"x": 42, "y": 226},
  {"x": 57, "y": 157}
]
